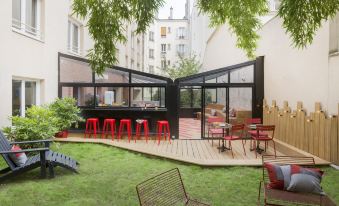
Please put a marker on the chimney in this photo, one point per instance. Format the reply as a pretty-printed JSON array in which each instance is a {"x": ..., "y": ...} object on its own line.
[{"x": 171, "y": 13}]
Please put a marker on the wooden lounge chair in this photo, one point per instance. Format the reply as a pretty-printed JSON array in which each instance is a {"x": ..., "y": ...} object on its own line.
[
  {"x": 165, "y": 189},
  {"x": 45, "y": 159},
  {"x": 282, "y": 197}
]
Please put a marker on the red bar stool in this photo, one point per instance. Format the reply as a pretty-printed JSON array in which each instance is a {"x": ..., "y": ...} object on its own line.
[
  {"x": 128, "y": 124},
  {"x": 108, "y": 124},
  {"x": 163, "y": 124},
  {"x": 92, "y": 124},
  {"x": 142, "y": 122}
]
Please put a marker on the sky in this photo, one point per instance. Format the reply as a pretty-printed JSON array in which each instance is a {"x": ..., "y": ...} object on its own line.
[{"x": 178, "y": 9}]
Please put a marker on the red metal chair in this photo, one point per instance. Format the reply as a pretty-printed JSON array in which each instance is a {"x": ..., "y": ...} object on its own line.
[
  {"x": 108, "y": 124},
  {"x": 268, "y": 131},
  {"x": 211, "y": 127},
  {"x": 138, "y": 130},
  {"x": 250, "y": 121},
  {"x": 128, "y": 123},
  {"x": 236, "y": 133},
  {"x": 92, "y": 127},
  {"x": 160, "y": 125}
]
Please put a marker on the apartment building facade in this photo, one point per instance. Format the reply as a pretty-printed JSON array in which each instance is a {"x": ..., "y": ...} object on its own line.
[{"x": 32, "y": 34}]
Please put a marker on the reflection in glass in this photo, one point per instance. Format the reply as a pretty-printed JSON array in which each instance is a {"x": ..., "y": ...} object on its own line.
[
  {"x": 75, "y": 71},
  {"x": 112, "y": 76},
  {"x": 16, "y": 97},
  {"x": 67, "y": 92},
  {"x": 148, "y": 97},
  {"x": 30, "y": 94},
  {"x": 243, "y": 75},
  {"x": 112, "y": 96},
  {"x": 146, "y": 80},
  {"x": 85, "y": 96},
  {"x": 240, "y": 104}
]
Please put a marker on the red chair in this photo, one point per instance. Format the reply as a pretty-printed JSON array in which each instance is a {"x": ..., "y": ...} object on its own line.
[
  {"x": 268, "y": 131},
  {"x": 108, "y": 124},
  {"x": 138, "y": 130},
  {"x": 163, "y": 124},
  {"x": 250, "y": 121},
  {"x": 211, "y": 127},
  {"x": 128, "y": 124},
  {"x": 236, "y": 133},
  {"x": 92, "y": 124}
]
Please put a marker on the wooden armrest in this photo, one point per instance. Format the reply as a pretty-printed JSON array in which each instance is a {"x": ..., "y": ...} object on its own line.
[
  {"x": 32, "y": 141},
  {"x": 25, "y": 150}
]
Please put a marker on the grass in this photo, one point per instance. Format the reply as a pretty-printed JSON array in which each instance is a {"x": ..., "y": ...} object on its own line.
[{"x": 108, "y": 176}]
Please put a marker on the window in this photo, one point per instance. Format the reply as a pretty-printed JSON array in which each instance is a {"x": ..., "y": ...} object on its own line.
[
  {"x": 26, "y": 17},
  {"x": 147, "y": 96},
  {"x": 132, "y": 40},
  {"x": 168, "y": 62},
  {"x": 163, "y": 64},
  {"x": 138, "y": 66},
  {"x": 163, "y": 48},
  {"x": 151, "y": 53},
  {"x": 169, "y": 30},
  {"x": 112, "y": 96},
  {"x": 163, "y": 32},
  {"x": 168, "y": 47},
  {"x": 73, "y": 43},
  {"x": 132, "y": 64},
  {"x": 334, "y": 35},
  {"x": 151, "y": 69},
  {"x": 24, "y": 95},
  {"x": 151, "y": 36},
  {"x": 181, "y": 49},
  {"x": 181, "y": 33}
]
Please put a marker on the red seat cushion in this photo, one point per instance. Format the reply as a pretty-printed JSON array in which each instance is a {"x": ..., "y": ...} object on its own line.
[
  {"x": 254, "y": 132},
  {"x": 232, "y": 137},
  {"x": 216, "y": 131}
]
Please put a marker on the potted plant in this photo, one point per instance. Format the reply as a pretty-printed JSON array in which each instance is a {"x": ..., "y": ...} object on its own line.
[{"x": 67, "y": 114}]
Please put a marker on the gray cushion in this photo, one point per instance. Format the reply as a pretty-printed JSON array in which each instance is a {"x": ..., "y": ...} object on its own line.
[
  {"x": 286, "y": 172},
  {"x": 305, "y": 183}
]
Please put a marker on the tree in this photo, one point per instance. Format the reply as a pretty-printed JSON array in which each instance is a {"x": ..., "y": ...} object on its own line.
[
  {"x": 106, "y": 24},
  {"x": 301, "y": 18},
  {"x": 107, "y": 19},
  {"x": 184, "y": 67}
]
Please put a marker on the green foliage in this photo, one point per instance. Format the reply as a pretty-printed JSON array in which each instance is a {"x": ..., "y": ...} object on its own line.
[
  {"x": 242, "y": 17},
  {"x": 66, "y": 112},
  {"x": 40, "y": 123},
  {"x": 303, "y": 18},
  {"x": 184, "y": 67},
  {"x": 107, "y": 21}
]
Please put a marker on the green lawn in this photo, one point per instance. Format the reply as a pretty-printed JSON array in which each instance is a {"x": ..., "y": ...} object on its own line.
[{"x": 108, "y": 176}]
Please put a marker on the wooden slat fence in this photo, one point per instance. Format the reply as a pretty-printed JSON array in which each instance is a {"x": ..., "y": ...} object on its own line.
[{"x": 316, "y": 133}]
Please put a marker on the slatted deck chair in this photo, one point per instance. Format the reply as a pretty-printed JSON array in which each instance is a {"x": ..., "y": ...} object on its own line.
[
  {"x": 45, "y": 159},
  {"x": 165, "y": 189},
  {"x": 282, "y": 197}
]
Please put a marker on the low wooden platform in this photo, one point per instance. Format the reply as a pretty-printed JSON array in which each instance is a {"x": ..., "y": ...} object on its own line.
[{"x": 199, "y": 152}]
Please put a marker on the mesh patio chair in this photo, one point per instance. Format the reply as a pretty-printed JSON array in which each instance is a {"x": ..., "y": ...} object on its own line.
[{"x": 165, "y": 189}]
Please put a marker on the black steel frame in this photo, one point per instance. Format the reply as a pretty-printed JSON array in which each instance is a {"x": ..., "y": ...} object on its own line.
[{"x": 172, "y": 90}]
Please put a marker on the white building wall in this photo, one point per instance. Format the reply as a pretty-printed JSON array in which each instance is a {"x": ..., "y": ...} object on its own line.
[{"x": 291, "y": 74}]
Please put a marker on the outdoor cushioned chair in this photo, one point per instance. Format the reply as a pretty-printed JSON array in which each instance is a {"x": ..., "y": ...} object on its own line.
[
  {"x": 283, "y": 197},
  {"x": 165, "y": 189},
  {"x": 45, "y": 159}
]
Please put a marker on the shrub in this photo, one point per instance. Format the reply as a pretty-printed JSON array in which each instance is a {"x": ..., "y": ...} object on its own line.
[{"x": 40, "y": 123}]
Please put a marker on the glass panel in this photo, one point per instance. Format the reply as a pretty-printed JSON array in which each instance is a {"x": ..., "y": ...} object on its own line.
[
  {"x": 112, "y": 96},
  {"x": 196, "y": 98},
  {"x": 75, "y": 35},
  {"x": 86, "y": 96},
  {"x": 31, "y": 15},
  {"x": 223, "y": 78},
  {"x": 190, "y": 97},
  {"x": 112, "y": 76},
  {"x": 185, "y": 98},
  {"x": 75, "y": 71},
  {"x": 240, "y": 104},
  {"x": 67, "y": 92},
  {"x": 147, "y": 97},
  {"x": 144, "y": 79},
  {"x": 195, "y": 80},
  {"x": 16, "y": 97},
  {"x": 162, "y": 97},
  {"x": 16, "y": 13},
  {"x": 243, "y": 75},
  {"x": 30, "y": 94},
  {"x": 215, "y": 108}
]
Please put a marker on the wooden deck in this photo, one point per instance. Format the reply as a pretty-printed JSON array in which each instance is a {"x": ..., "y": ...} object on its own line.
[{"x": 199, "y": 152}]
